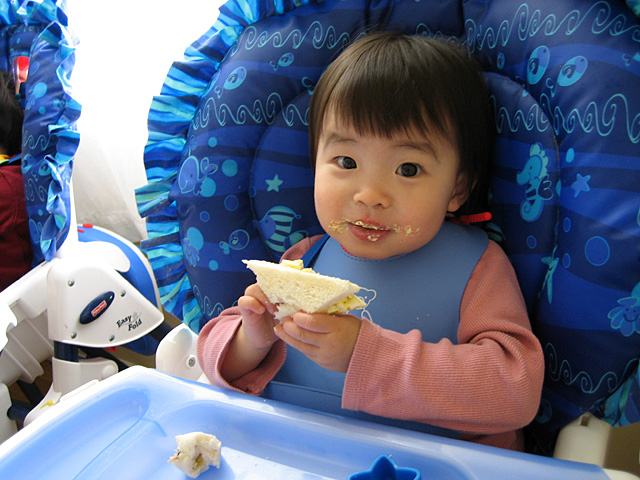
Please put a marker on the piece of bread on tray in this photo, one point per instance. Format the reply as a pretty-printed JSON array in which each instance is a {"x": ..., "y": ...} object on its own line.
[
  {"x": 291, "y": 287},
  {"x": 196, "y": 452}
]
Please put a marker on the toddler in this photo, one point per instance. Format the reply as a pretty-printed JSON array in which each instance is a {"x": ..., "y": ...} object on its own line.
[{"x": 400, "y": 143}]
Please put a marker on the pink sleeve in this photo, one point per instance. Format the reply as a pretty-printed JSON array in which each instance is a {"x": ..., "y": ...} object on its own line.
[
  {"x": 213, "y": 343},
  {"x": 216, "y": 335},
  {"x": 489, "y": 382}
]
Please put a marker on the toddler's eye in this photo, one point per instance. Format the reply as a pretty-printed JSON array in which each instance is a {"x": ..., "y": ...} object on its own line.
[
  {"x": 408, "y": 170},
  {"x": 346, "y": 162}
]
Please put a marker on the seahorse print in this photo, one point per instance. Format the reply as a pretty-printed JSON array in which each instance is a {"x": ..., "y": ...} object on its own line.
[{"x": 536, "y": 178}]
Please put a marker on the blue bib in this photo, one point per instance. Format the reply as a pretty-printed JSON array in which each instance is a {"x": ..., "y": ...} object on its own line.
[{"x": 420, "y": 290}]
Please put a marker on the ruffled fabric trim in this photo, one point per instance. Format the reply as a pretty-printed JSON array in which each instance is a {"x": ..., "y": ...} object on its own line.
[{"x": 170, "y": 116}]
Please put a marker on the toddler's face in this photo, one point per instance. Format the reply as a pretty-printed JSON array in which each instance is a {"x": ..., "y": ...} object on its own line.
[{"x": 383, "y": 197}]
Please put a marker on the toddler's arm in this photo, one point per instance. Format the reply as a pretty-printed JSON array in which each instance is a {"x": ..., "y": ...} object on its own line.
[
  {"x": 214, "y": 343},
  {"x": 254, "y": 337},
  {"x": 223, "y": 342},
  {"x": 489, "y": 382}
]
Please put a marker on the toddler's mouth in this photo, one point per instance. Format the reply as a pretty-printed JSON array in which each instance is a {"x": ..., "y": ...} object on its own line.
[
  {"x": 340, "y": 226},
  {"x": 369, "y": 226},
  {"x": 370, "y": 230},
  {"x": 363, "y": 229},
  {"x": 367, "y": 230}
]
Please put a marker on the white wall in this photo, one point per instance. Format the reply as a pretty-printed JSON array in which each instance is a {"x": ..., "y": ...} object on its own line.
[{"x": 125, "y": 51}]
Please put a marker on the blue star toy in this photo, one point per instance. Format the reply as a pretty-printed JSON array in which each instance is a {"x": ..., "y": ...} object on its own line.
[{"x": 385, "y": 469}]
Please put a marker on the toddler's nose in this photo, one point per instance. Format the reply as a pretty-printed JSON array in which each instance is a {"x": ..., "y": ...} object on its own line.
[{"x": 372, "y": 194}]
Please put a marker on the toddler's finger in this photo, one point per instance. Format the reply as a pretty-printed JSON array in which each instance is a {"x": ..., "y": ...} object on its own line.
[
  {"x": 300, "y": 334},
  {"x": 256, "y": 292},
  {"x": 316, "y": 322},
  {"x": 251, "y": 305}
]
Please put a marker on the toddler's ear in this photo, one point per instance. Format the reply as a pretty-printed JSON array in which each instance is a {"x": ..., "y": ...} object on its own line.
[{"x": 460, "y": 194}]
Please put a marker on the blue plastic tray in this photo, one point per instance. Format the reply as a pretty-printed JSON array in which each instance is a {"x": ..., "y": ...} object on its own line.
[{"x": 124, "y": 427}]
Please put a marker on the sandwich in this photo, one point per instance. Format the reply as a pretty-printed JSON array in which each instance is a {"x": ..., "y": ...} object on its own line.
[
  {"x": 196, "y": 452},
  {"x": 291, "y": 288}
]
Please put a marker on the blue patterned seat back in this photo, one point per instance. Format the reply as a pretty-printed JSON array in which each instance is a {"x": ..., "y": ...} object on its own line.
[
  {"x": 229, "y": 175},
  {"x": 37, "y": 29}
]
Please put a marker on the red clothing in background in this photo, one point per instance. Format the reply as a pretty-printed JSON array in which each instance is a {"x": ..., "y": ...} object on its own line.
[{"x": 15, "y": 243}]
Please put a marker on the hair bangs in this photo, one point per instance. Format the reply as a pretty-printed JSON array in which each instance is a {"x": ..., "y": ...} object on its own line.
[{"x": 384, "y": 99}]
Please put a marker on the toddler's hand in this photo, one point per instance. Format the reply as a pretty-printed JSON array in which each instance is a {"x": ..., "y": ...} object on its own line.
[
  {"x": 328, "y": 340},
  {"x": 257, "y": 317},
  {"x": 254, "y": 338}
]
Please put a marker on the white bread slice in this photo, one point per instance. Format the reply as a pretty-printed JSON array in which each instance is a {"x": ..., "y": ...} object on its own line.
[
  {"x": 291, "y": 287},
  {"x": 196, "y": 452}
]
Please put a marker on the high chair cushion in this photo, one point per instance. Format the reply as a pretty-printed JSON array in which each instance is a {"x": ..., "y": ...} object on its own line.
[{"x": 229, "y": 174}]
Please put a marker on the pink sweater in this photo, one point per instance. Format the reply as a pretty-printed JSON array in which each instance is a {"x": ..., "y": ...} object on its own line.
[{"x": 486, "y": 387}]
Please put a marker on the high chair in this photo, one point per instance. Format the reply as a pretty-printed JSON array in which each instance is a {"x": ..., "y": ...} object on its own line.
[
  {"x": 90, "y": 288},
  {"x": 227, "y": 162}
]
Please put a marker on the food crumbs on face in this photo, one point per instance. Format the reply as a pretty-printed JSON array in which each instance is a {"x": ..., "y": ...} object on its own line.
[
  {"x": 338, "y": 226},
  {"x": 408, "y": 230}
]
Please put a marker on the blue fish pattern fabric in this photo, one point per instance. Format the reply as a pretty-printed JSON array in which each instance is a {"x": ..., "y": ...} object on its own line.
[
  {"x": 38, "y": 29},
  {"x": 229, "y": 176}
]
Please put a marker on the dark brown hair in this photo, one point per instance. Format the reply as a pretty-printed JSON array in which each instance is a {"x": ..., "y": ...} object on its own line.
[
  {"x": 11, "y": 116},
  {"x": 388, "y": 82}
]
